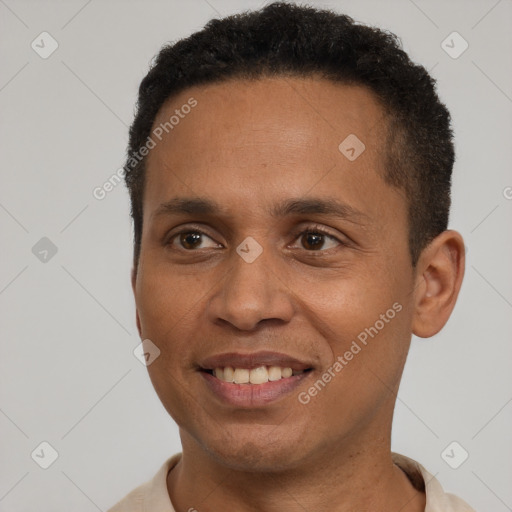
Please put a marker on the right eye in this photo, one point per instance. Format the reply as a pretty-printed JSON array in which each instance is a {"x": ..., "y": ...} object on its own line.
[{"x": 190, "y": 240}]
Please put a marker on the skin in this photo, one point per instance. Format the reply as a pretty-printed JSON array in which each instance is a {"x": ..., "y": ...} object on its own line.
[{"x": 250, "y": 146}]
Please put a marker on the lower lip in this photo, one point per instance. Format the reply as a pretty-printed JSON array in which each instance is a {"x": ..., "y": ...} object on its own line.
[{"x": 253, "y": 395}]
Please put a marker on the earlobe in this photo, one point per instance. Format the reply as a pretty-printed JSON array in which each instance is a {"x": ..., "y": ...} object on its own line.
[{"x": 440, "y": 271}]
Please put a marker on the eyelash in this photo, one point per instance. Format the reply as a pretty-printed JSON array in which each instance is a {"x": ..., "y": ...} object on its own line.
[{"x": 309, "y": 230}]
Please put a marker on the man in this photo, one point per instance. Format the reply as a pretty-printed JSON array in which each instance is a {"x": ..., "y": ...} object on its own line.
[{"x": 289, "y": 173}]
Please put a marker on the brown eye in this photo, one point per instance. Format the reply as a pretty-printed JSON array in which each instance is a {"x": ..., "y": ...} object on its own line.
[
  {"x": 190, "y": 239},
  {"x": 316, "y": 240},
  {"x": 313, "y": 241}
]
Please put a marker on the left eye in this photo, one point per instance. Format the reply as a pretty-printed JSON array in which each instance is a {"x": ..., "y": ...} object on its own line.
[{"x": 316, "y": 240}]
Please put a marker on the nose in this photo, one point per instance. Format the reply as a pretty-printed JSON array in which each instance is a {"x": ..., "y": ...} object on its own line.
[{"x": 251, "y": 293}]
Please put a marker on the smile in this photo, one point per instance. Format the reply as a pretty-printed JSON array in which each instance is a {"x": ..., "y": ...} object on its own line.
[
  {"x": 256, "y": 376},
  {"x": 249, "y": 380}
]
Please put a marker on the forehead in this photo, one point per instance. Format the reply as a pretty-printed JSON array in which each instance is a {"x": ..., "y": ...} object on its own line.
[
  {"x": 246, "y": 139},
  {"x": 299, "y": 112}
]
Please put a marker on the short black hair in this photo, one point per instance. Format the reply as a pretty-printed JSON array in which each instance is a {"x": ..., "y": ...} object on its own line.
[{"x": 285, "y": 39}]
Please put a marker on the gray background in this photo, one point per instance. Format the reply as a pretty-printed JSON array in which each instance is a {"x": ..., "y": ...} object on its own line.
[{"x": 68, "y": 373}]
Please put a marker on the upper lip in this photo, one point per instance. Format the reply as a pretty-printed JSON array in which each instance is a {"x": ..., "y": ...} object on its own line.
[{"x": 253, "y": 360}]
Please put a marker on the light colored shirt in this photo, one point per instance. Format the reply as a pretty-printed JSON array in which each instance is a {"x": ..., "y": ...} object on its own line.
[{"x": 152, "y": 496}]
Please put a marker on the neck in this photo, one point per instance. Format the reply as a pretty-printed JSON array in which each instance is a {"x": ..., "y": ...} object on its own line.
[{"x": 356, "y": 476}]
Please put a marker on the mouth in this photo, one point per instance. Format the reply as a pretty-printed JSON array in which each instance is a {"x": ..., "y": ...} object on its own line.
[{"x": 253, "y": 380}]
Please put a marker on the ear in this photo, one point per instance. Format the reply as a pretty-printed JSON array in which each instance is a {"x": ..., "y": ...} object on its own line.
[
  {"x": 134, "y": 288},
  {"x": 439, "y": 274}
]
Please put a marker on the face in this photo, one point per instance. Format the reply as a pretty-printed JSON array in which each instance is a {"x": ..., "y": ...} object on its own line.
[{"x": 266, "y": 245}]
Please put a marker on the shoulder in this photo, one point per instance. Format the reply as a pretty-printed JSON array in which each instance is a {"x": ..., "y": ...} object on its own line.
[
  {"x": 150, "y": 494},
  {"x": 437, "y": 500}
]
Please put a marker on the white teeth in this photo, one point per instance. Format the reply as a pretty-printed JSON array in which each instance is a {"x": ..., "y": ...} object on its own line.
[
  {"x": 241, "y": 376},
  {"x": 228, "y": 374},
  {"x": 258, "y": 375},
  {"x": 286, "y": 372},
  {"x": 274, "y": 373}
]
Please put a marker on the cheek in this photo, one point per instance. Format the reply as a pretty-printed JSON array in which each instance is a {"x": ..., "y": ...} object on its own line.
[
  {"x": 366, "y": 324},
  {"x": 167, "y": 303},
  {"x": 343, "y": 307},
  {"x": 166, "y": 299},
  {"x": 367, "y": 359}
]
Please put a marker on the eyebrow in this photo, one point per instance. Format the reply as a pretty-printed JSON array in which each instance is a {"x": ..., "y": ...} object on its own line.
[{"x": 293, "y": 206}]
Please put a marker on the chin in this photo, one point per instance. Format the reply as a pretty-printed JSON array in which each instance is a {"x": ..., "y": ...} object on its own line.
[{"x": 255, "y": 451}]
